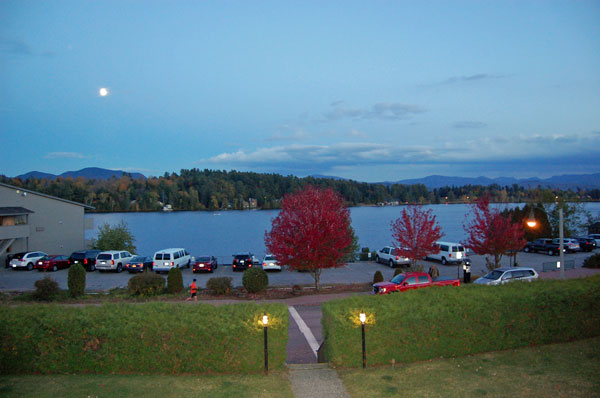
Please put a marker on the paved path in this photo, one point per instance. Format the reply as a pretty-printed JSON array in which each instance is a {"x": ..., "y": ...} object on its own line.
[{"x": 316, "y": 381}]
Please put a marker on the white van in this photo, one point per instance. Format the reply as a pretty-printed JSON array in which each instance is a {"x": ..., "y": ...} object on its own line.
[
  {"x": 450, "y": 252},
  {"x": 164, "y": 260}
]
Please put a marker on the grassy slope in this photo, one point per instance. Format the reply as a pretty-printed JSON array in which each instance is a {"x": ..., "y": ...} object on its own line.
[
  {"x": 275, "y": 385},
  {"x": 557, "y": 370}
]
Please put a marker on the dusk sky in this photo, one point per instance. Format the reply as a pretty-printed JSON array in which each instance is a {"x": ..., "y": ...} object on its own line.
[{"x": 368, "y": 90}]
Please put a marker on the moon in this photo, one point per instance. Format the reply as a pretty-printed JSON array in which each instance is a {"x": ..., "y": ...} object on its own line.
[{"x": 103, "y": 92}]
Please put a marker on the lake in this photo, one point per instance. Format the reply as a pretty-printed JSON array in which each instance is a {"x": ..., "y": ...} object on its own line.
[{"x": 224, "y": 233}]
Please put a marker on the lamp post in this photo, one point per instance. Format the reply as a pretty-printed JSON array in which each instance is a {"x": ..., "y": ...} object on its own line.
[
  {"x": 561, "y": 232},
  {"x": 265, "y": 322},
  {"x": 363, "y": 318}
]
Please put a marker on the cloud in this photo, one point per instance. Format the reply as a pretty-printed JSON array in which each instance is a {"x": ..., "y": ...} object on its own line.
[
  {"x": 15, "y": 47},
  {"x": 469, "y": 125},
  {"x": 380, "y": 111},
  {"x": 477, "y": 77},
  {"x": 64, "y": 155}
]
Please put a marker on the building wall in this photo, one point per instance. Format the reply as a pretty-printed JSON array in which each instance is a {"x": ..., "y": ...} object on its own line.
[{"x": 55, "y": 227}]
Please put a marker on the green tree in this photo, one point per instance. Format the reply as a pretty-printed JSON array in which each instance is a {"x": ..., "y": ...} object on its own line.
[{"x": 115, "y": 238}]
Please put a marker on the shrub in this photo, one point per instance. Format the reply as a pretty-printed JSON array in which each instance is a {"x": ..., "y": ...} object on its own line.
[
  {"x": 378, "y": 277},
  {"x": 174, "y": 280},
  {"x": 142, "y": 338},
  {"x": 219, "y": 286},
  {"x": 255, "y": 280},
  {"x": 76, "y": 280},
  {"x": 398, "y": 271},
  {"x": 45, "y": 289},
  {"x": 146, "y": 284},
  {"x": 460, "y": 321},
  {"x": 592, "y": 261}
]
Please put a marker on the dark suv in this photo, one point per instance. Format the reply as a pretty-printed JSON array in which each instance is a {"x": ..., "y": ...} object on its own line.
[
  {"x": 243, "y": 261},
  {"x": 87, "y": 258},
  {"x": 587, "y": 244}
]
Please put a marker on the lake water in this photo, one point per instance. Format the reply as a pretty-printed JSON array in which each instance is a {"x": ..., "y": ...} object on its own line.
[{"x": 222, "y": 234}]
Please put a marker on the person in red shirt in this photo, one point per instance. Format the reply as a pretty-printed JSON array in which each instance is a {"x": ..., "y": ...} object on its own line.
[{"x": 193, "y": 291}]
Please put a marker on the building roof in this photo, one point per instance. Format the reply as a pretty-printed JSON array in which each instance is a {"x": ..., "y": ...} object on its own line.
[
  {"x": 19, "y": 189},
  {"x": 14, "y": 211}
]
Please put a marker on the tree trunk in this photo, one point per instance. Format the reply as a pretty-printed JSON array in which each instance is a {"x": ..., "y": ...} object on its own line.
[{"x": 316, "y": 275}]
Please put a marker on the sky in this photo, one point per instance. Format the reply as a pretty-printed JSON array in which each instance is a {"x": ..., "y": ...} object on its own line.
[{"x": 367, "y": 90}]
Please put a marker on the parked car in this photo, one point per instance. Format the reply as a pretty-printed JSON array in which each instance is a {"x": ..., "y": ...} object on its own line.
[
  {"x": 545, "y": 245},
  {"x": 389, "y": 255},
  {"x": 449, "y": 252},
  {"x": 166, "y": 259},
  {"x": 587, "y": 244},
  {"x": 243, "y": 261},
  {"x": 10, "y": 256},
  {"x": 500, "y": 276},
  {"x": 52, "y": 262},
  {"x": 570, "y": 245},
  {"x": 138, "y": 264},
  {"x": 87, "y": 258},
  {"x": 270, "y": 263},
  {"x": 412, "y": 280},
  {"x": 27, "y": 260},
  {"x": 596, "y": 237},
  {"x": 113, "y": 260},
  {"x": 204, "y": 264}
]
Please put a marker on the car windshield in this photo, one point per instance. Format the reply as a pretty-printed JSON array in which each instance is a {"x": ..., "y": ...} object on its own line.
[
  {"x": 457, "y": 249},
  {"x": 398, "y": 279},
  {"x": 269, "y": 258},
  {"x": 494, "y": 275},
  {"x": 203, "y": 259},
  {"x": 46, "y": 258},
  {"x": 138, "y": 259},
  {"x": 241, "y": 257},
  {"x": 104, "y": 257}
]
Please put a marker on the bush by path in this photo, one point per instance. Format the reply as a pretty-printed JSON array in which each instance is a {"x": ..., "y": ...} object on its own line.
[
  {"x": 152, "y": 338},
  {"x": 451, "y": 322}
]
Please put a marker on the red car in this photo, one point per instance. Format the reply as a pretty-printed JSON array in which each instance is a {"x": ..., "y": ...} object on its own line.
[
  {"x": 52, "y": 263},
  {"x": 205, "y": 264},
  {"x": 412, "y": 280}
]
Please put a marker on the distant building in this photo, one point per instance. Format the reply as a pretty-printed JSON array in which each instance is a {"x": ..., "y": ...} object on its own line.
[{"x": 33, "y": 221}]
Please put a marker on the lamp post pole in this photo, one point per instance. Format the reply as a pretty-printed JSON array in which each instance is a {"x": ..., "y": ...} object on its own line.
[
  {"x": 561, "y": 233},
  {"x": 265, "y": 326},
  {"x": 363, "y": 318}
]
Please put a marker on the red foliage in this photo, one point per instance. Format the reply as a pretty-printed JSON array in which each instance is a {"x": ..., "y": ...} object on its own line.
[
  {"x": 489, "y": 232},
  {"x": 416, "y": 232},
  {"x": 311, "y": 232}
]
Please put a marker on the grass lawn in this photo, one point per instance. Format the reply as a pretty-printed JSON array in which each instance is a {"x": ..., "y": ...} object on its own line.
[
  {"x": 276, "y": 384},
  {"x": 558, "y": 370}
]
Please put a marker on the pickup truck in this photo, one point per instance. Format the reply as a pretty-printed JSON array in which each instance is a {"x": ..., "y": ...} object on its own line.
[
  {"x": 412, "y": 280},
  {"x": 389, "y": 255},
  {"x": 545, "y": 245}
]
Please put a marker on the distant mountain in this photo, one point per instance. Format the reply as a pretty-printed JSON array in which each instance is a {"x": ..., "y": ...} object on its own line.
[
  {"x": 567, "y": 181},
  {"x": 95, "y": 173}
]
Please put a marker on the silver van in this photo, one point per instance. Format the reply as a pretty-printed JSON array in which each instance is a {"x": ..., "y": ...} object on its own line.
[
  {"x": 164, "y": 260},
  {"x": 500, "y": 276},
  {"x": 449, "y": 253}
]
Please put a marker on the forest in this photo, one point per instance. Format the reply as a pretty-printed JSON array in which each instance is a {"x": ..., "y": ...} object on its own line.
[{"x": 196, "y": 189}]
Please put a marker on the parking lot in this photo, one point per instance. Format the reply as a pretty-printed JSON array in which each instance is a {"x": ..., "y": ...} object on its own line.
[{"x": 357, "y": 272}]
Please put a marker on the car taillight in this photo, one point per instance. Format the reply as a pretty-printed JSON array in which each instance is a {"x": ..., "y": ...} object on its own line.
[
  {"x": 172, "y": 263},
  {"x": 112, "y": 262},
  {"x": 397, "y": 257},
  {"x": 85, "y": 261},
  {"x": 153, "y": 263},
  {"x": 450, "y": 255}
]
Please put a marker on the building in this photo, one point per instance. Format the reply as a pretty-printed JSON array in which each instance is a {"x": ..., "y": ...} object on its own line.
[{"x": 33, "y": 221}]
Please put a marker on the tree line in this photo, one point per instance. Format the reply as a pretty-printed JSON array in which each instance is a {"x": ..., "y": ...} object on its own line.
[{"x": 196, "y": 189}]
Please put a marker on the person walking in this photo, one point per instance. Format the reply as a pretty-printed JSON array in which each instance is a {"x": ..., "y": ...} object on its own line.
[{"x": 193, "y": 291}]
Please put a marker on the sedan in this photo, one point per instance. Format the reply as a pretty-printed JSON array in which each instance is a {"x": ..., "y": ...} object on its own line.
[
  {"x": 270, "y": 263},
  {"x": 138, "y": 264},
  {"x": 52, "y": 262},
  {"x": 204, "y": 264},
  {"x": 569, "y": 244},
  {"x": 587, "y": 244}
]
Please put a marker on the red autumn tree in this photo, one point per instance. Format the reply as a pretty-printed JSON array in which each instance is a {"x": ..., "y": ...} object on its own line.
[
  {"x": 416, "y": 232},
  {"x": 312, "y": 231},
  {"x": 490, "y": 232}
]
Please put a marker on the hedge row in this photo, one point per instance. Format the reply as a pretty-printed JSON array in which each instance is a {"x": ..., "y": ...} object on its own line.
[
  {"x": 450, "y": 322},
  {"x": 154, "y": 338}
]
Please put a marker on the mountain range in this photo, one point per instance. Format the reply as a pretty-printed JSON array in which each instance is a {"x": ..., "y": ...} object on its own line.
[
  {"x": 95, "y": 173},
  {"x": 567, "y": 181}
]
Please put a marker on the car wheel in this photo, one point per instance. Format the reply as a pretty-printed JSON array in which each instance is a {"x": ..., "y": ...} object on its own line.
[
  {"x": 29, "y": 267},
  {"x": 376, "y": 259},
  {"x": 526, "y": 250},
  {"x": 444, "y": 261},
  {"x": 92, "y": 268},
  {"x": 54, "y": 269},
  {"x": 391, "y": 264},
  {"x": 119, "y": 268},
  {"x": 551, "y": 252}
]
